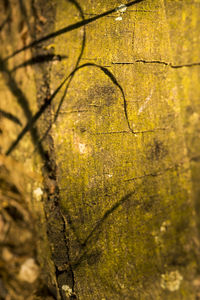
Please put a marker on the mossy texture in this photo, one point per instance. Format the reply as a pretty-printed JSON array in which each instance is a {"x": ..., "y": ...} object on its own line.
[
  {"x": 126, "y": 141},
  {"x": 124, "y": 165}
]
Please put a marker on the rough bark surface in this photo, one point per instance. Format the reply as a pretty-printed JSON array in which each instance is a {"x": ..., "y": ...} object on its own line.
[{"x": 120, "y": 145}]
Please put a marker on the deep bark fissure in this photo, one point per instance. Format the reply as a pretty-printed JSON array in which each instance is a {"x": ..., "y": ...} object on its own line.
[{"x": 55, "y": 224}]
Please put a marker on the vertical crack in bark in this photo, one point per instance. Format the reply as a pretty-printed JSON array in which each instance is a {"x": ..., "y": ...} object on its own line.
[
  {"x": 56, "y": 229},
  {"x": 55, "y": 224}
]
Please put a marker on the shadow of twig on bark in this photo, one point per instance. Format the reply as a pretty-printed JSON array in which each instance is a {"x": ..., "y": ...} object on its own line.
[
  {"x": 85, "y": 253},
  {"x": 104, "y": 217},
  {"x": 10, "y": 117},
  {"x": 69, "y": 28},
  {"x": 39, "y": 59},
  {"x": 32, "y": 120},
  {"x": 70, "y": 78},
  {"x": 31, "y": 123},
  {"x": 23, "y": 102}
]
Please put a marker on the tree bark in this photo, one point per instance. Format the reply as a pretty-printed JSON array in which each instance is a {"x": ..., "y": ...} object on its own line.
[{"x": 110, "y": 95}]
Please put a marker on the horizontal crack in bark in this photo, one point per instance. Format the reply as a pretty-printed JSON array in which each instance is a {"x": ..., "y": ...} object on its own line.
[
  {"x": 157, "y": 62},
  {"x": 125, "y": 131},
  {"x": 159, "y": 173}
]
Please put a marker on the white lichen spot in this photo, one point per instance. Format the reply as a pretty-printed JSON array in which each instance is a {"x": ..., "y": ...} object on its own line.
[
  {"x": 121, "y": 8},
  {"x": 118, "y": 19},
  {"x": 82, "y": 148},
  {"x": 165, "y": 225},
  {"x": 171, "y": 281},
  {"x": 29, "y": 271},
  {"x": 38, "y": 193},
  {"x": 67, "y": 290}
]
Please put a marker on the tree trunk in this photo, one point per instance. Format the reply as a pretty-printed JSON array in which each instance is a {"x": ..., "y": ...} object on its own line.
[{"x": 100, "y": 101}]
